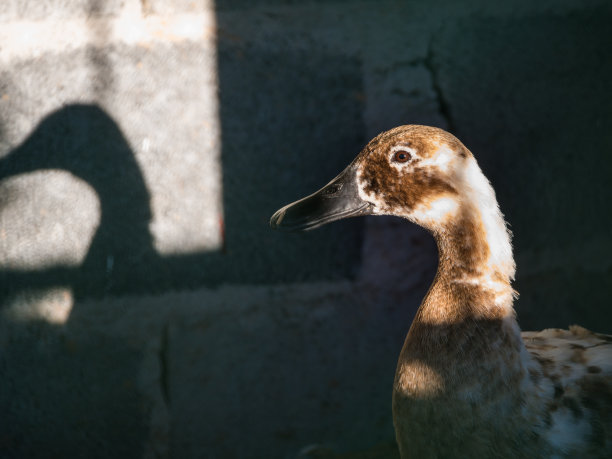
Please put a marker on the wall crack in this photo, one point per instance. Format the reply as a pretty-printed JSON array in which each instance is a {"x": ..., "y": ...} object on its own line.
[
  {"x": 443, "y": 104},
  {"x": 162, "y": 356}
]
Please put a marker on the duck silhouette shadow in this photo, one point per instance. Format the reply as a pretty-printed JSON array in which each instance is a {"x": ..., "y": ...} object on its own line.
[
  {"x": 70, "y": 390},
  {"x": 85, "y": 141}
]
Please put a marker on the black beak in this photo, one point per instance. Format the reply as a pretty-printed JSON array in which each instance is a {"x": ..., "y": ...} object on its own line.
[{"x": 336, "y": 200}]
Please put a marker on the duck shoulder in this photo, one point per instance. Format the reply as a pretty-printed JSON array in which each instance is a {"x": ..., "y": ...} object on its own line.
[{"x": 572, "y": 373}]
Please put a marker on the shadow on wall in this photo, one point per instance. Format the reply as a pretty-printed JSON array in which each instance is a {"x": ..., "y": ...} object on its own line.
[
  {"x": 85, "y": 141},
  {"x": 51, "y": 377}
]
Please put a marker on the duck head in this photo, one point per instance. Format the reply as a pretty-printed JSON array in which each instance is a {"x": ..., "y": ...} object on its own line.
[{"x": 416, "y": 172}]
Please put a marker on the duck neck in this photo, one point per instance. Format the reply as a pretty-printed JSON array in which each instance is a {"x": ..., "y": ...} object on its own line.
[
  {"x": 465, "y": 326},
  {"x": 475, "y": 256}
]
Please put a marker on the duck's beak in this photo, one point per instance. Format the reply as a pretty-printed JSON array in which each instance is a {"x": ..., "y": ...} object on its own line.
[{"x": 336, "y": 200}]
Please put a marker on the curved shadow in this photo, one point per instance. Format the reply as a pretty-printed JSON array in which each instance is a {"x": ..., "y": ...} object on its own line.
[{"x": 85, "y": 141}]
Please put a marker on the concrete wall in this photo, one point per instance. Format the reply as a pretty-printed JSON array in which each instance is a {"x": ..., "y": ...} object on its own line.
[{"x": 146, "y": 308}]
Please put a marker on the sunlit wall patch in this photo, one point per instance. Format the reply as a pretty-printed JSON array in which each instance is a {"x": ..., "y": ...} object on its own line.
[
  {"x": 63, "y": 214},
  {"x": 52, "y": 305},
  {"x": 180, "y": 157}
]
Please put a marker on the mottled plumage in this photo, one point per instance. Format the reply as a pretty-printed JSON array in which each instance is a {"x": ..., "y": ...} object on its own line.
[{"x": 572, "y": 372}]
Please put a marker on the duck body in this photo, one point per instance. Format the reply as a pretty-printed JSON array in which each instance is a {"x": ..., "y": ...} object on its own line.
[{"x": 468, "y": 384}]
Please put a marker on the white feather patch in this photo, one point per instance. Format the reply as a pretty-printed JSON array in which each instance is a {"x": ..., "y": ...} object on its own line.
[
  {"x": 478, "y": 192},
  {"x": 436, "y": 212}
]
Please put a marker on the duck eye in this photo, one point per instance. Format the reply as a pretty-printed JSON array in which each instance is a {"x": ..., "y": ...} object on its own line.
[{"x": 402, "y": 156}]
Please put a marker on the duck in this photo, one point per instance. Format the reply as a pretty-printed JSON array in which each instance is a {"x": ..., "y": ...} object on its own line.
[{"x": 468, "y": 382}]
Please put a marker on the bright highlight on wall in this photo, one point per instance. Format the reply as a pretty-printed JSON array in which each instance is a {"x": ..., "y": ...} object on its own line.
[{"x": 167, "y": 110}]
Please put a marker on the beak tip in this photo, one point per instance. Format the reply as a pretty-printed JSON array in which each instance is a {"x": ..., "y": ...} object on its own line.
[{"x": 277, "y": 219}]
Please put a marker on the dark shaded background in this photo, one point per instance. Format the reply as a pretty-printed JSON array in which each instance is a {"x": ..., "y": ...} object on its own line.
[{"x": 276, "y": 341}]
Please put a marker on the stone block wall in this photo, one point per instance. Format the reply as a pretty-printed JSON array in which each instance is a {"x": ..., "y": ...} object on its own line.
[{"x": 146, "y": 310}]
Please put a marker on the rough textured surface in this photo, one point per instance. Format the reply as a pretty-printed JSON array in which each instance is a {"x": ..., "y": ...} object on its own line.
[
  {"x": 163, "y": 222},
  {"x": 172, "y": 120}
]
